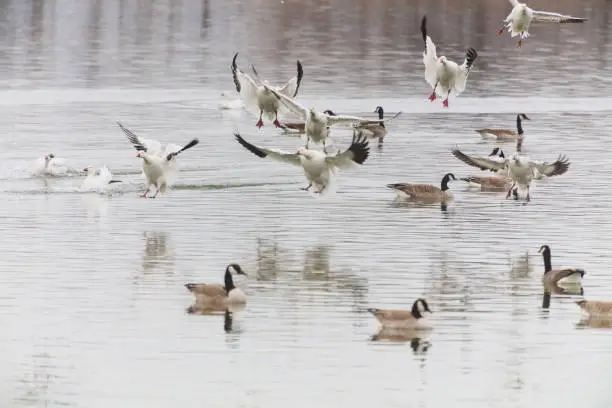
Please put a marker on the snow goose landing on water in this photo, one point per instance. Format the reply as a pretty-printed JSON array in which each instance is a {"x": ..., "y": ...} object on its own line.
[
  {"x": 97, "y": 178},
  {"x": 522, "y": 171},
  {"x": 521, "y": 17},
  {"x": 158, "y": 169},
  {"x": 49, "y": 165},
  {"x": 317, "y": 123},
  {"x": 256, "y": 95},
  {"x": 318, "y": 166},
  {"x": 443, "y": 75}
]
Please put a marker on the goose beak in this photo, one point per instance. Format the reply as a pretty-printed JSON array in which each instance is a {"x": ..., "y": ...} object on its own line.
[{"x": 86, "y": 169}]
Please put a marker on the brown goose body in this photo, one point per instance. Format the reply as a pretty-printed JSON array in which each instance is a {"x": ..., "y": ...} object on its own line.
[
  {"x": 403, "y": 319},
  {"x": 555, "y": 276},
  {"x": 219, "y": 295},
  {"x": 490, "y": 183},
  {"x": 425, "y": 192},
  {"x": 596, "y": 307},
  {"x": 507, "y": 135}
]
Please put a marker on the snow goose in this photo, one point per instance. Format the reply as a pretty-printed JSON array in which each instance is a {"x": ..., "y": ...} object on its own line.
[
  {"x": 443, "y": 75},
  {"x": 224, "y": 294},
  {"x": 425, "y": 192},
  {"x": 299, "y": 127},
  {"x": 256, "y": 94},
  {"x": 416, "y": 318},
  {"x": 49, "y": 165},
  {"x": 318, "y": 167},
  {"x": 504, "y": 135},
  {"x": 97, "y": 178},
  {"x": 521, "y": 17},
  {"x": 317, "y": 123},
  {"x": 522, "y": 171},
  {"x": 158, "y": 169},
  {"x": 554, "y": 276}
]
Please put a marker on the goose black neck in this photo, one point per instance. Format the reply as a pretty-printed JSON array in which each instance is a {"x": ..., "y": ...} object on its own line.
[
  {"x": 519, "y": 124},
  {"x": 547, "y": 266},
  {"x": 444, "y": 184},
  {"x": 381, "y": 115},
  {"x": 519, "y": 144},
  {"x": 415, "y": 310},
  {"x": 229, "y": 281}
]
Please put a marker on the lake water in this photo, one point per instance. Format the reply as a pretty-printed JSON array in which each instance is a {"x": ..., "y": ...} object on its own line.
[{"x": 92, "y": 302}]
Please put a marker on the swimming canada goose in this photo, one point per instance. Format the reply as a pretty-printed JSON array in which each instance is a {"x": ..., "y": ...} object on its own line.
[
  {"x": 319, "y": 167},
  {"x": 224, "y": 294},
  {"x": 504, "y": 135},
  {"x": 441, "y": 74},
  {"x": 404, "y": 319},
  {"x": 376, "y": 129},
  {"x": 595, "y": 307},
  {"x": 554, "y": 276},
  {"x": 257, "y": 96},
  {"x": 489, "y": 183},
  {"x": 425, "y": 191},
  {"x": 521, "y": 17}
]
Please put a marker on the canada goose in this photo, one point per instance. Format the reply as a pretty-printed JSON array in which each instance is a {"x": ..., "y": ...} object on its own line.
[
  {"x": 404, "y": 319},
  {"x": 376, "y": 129},
  {"x": 317, "y": 123},
  {"x": 595, "y": 307},
  {"x": 425, "y": 191},
  {"x": 503, "y": 135},
  {"x": 257, "y": 95},
  {"x": 489, "y": 183},
  {"x": 521, "y": 17},
  {"x": 318, "y": 166},
  {"x": 554, "y": 276},
  {"x": 441, "y": 74},
  {"x": 220, "y": 294},
  {"x": 159, "y": 166}
]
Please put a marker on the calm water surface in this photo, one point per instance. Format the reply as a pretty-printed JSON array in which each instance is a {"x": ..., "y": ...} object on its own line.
[{"x": 92, "y": 303}]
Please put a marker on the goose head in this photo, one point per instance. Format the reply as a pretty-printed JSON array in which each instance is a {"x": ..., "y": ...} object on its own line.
[
  {"x": 380, "y": 111},
  {"x": 443, "y": 59},
  {"x": 420, "y": 308},
  {"x": 329, "y": 112},
  {"x": 544, "y": 249},
  {"x": 235, "y": 269},
  {"x": 523, "y": 116},
  {"x": 447, "y": 177},
  {"x": 303, "y": 152},
  {"x": 90, "y": 170}
]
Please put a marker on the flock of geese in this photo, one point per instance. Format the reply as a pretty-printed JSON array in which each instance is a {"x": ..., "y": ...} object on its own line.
[{"x": 513, "y": 173}]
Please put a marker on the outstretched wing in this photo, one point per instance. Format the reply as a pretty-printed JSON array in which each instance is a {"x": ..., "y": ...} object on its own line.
[
  {"x": 291, "y": 88},
  {"x": 357, "y": 152},
  {"x": 480, "y": 162},
  {"x": 140, "y": 143},
  {"x": 290, "y": 158},
  {"x": 356, "y": 120},
  {"x": 291, "y": 104},
  {"x": 558, "y": 167},
  {"x": 430, "y": 59},
  {"x": 464, "y": 69},
  {"x": 245, "y": 86},
  {"x": 547, "y": 17}
]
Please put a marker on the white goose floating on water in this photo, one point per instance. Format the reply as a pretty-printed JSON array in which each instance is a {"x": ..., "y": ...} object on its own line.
[
  {"x": 97, "y": 178},
  {"x": 49, "y": 165},
  {"x": 443, "y": 75},
  {"x": 159, "y": 169},
  {"x": 318, "y": 166},
  {"x": 520, "y": 18},
  {"x": 256, "y": 94}
]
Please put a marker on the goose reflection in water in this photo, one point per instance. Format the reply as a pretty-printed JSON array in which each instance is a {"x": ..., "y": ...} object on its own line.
[
  {"x": 553, "y": 288},
  {"x": 232, "y": 314},
  {"x": 268, "y": 257},
  {"x": 418, "y": 343},
  {"x": 158, "y": 251}
]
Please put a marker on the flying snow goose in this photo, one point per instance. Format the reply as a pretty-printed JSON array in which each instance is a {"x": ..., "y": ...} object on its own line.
[
  {"x": 256, "y": 94},
  {"x": 503, "y": 135},
  {"x": 522, "y": 171},
  {"x": 300, "y": 127},
  {"x": 554, "y": 276},
  {"x": 416, "y": 318},
  {"x": 97, "y": 178},
  {"x": 425, "y": 192},
  {"x": 521, "y": 17},
  {"x": 158, "y": 169},
  {"x": 443, "y": 75},
  {"x": 224, "y": 294},
  {"x": 317, "y": 123},
  {"x": 318, "y": 166},
  {"x": 49, "y": 165}
]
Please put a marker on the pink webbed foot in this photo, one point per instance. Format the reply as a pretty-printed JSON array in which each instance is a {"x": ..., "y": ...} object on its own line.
[
  {"x": 500, "y": 31},
  {"x": 142, "y": 195},
  {"x": 277, "y": 123},
  {"x": 259, "y": 123},
  {"x": 445, "y": 103},
  {"x": 432, "y": 97}
]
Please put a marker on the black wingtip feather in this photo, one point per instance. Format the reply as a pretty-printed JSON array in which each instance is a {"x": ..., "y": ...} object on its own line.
[
  {"x": 114, "y": 181},
  {"x": 251, "y": 148},
  {"x": 189, "y": 145},
  {"x": 424, "y": 29},
  {"x": 234, "y": 69},
  {"x": 471, "y": 56},
  {"x": 132, "y": 138},
  {"x": 360, "y": 149},
  {"x": 300, "y": 74}
]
